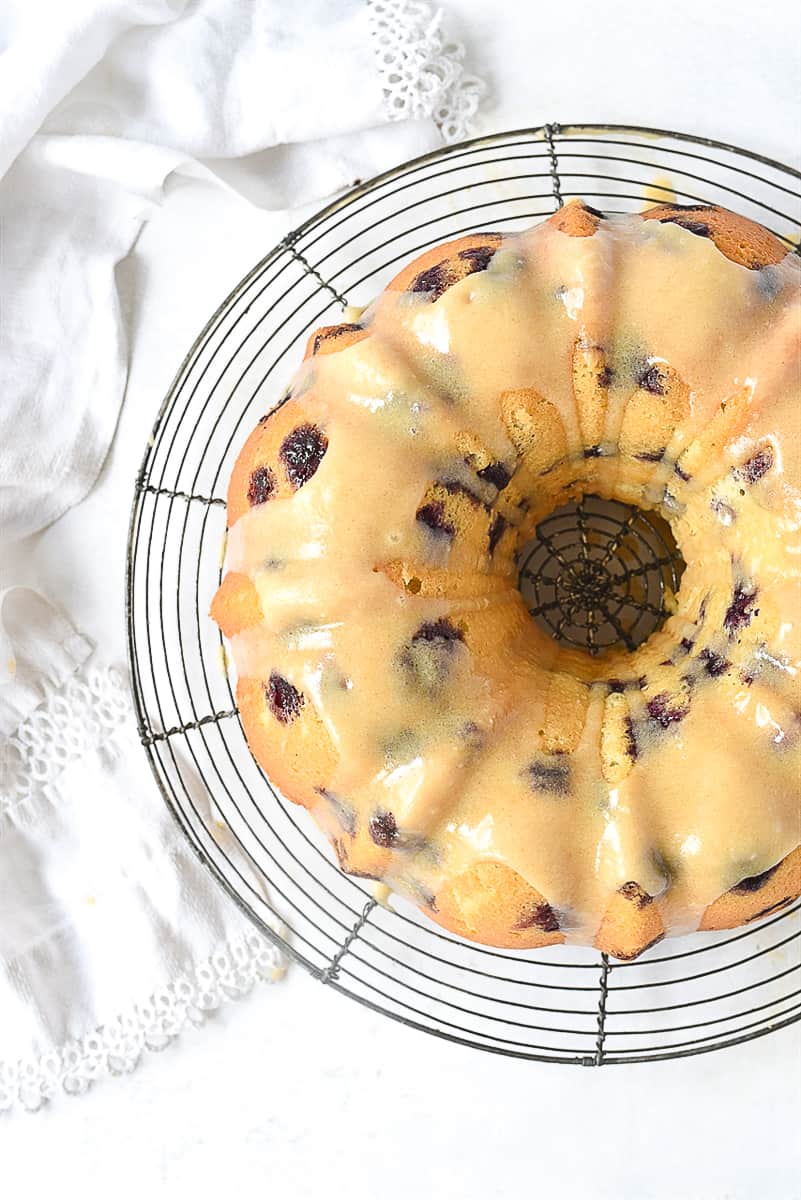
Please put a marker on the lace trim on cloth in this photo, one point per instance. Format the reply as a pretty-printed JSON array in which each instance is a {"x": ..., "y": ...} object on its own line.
[
  {"x": 39, "y": 650},
  {"x": 87, "y": 714},
  {"x": 422, "y": 72},
  {"x": 116, "y": 1048},
  {"x": 71, "y": 722}
]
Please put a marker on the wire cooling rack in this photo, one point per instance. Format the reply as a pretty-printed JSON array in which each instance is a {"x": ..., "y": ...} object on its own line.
[{"x": 566, "y": 1005}]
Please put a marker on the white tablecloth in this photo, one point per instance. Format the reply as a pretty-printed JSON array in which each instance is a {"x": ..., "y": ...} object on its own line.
[
  {"x": 295, "y": 1090},
  {"x": 112, "y": 936}
]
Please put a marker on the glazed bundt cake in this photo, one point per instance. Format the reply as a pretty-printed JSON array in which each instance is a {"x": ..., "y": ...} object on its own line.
[{"x": 390, "y": 678}]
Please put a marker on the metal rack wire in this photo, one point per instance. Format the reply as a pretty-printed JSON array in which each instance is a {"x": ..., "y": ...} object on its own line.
[
  {"x": 598, "y": 574},
  {"x": 565, "y": 1005}
]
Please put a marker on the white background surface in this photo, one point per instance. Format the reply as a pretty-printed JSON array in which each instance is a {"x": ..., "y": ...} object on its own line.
[{"x": 296, "y": 1092}]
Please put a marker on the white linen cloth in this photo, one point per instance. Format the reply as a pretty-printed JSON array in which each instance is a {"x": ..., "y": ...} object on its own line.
[{"x": 117, "y": 115}]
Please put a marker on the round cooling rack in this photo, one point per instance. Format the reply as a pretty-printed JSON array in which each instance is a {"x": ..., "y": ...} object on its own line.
[{"x": 567, "y": 1004}]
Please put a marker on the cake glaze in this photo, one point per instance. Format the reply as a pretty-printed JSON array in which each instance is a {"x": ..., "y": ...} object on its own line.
[{"x": 390, "y": 678}]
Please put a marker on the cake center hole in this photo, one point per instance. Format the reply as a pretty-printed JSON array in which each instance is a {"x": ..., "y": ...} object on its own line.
[{"x": 600, "y": 575}]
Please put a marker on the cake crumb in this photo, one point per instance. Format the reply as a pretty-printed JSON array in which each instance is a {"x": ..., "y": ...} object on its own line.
[
  {"x": 659, "y": 191},
  {"x": 381, "y": 895}
]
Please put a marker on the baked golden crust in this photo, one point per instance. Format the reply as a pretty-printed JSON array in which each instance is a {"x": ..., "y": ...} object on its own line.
[
  {"x": 657, "y": 406},
  {"x": 289, "y": 741},
  {"x": 489, "y": 901},
  {"x": 491, "y": 904},
  {"x": 576, "y": 219},
  {"x": 441, "y": 267},
  {"x": 331, "y": 339},
  {"x": 259, "y": 473},
  {"x": 631, "y": 924},
  {"x": 743, "y": 241},
  {"x": 236, "y": 605},
  {"x": 433, "y": 583},
  {"x": 757, "y": 895}
]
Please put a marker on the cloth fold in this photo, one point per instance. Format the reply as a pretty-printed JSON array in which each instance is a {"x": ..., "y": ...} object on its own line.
[
  {"x": 132, "y": 92},
  {"x": 239, "y": 118}
]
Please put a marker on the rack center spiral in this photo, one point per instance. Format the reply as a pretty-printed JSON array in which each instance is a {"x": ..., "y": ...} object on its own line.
[{"x": 600, "y": 574}]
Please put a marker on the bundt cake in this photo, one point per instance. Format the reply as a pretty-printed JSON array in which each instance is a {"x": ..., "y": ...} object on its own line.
[{"x": 390, "y": 678}]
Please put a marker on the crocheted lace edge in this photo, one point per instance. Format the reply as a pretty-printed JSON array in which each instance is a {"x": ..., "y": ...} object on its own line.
[
  {"x": 421, "y": 70},
  {"x": 90, "y": 709},
  {"x": 116, "y": 1048}
]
